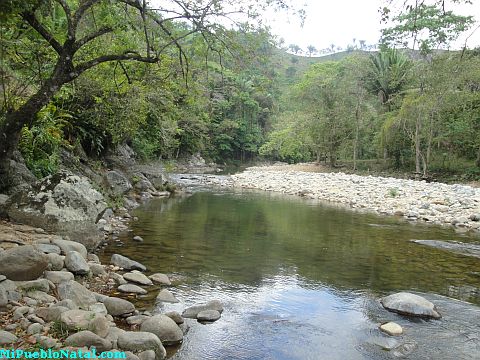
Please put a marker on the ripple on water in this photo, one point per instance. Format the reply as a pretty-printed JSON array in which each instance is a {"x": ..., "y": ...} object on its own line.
[{"x": 299, "y": 280}]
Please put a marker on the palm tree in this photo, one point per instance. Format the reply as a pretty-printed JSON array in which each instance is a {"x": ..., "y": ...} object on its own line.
[
  {"x": 388, "y": 74},
  {"x": 294, "y": 48},
  {"x": 311, "y": 50}
]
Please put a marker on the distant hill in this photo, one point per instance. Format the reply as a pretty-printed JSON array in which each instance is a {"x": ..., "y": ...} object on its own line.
[{"x": 290, "y": 68}]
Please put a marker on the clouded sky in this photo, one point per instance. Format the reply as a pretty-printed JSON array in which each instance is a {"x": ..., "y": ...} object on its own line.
[{"x": 339, "y": 21}]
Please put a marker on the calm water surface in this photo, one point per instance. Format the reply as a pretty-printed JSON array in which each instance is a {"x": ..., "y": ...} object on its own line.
[{"x": 298, "y": 278}]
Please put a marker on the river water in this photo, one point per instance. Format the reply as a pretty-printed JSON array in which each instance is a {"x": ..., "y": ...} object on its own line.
[{"x": 300, "y": 279}]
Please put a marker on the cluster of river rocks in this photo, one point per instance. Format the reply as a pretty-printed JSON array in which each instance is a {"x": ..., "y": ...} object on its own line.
[
  {"x": 436, "y": 203},
  {"x": 55, "y": 294}
]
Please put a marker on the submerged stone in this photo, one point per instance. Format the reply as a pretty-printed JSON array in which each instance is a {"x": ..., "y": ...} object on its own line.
[{"x": 410, "y": 304}]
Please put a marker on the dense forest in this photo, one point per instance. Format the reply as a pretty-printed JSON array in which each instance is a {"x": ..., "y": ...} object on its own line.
[{"x": 87, "y": 75}]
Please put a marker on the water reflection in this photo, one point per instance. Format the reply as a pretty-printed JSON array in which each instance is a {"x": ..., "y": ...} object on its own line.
[{"x": 297, "y": 278}]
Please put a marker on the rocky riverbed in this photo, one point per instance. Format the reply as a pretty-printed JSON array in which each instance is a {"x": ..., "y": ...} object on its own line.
[
  {"x": 55, "y": 294},
  {"x": 435, "y": 203}
]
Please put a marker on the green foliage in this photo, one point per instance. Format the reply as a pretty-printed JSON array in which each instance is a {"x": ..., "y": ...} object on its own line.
[
  {"x": 40, "y": 144},
  {"x": 234, "y": 96},
  {"x": 431, "y": 26},
  {"x": 393, "y": 192},
  {"x": 59, "y": 330},
  {"x": 289, "y": 141},
  {"x": 388, "y": 74}
]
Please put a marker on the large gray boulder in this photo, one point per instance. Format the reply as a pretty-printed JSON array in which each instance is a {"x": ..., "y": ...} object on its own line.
[
  {"x": 160, "y": 278},
  {"x": 88, "y": 339},
  {"x": 77, "y": 319},
  {"x": 76, "y": 292},
  {"x": 126, "y": 263},
  {"x": 137, "y": 277},
  {"x": 165, "y": 328},
  {"x": 62, "y": 203},
  {"x": 208, "y": 315},
  {"x": 139, "y": 341},
  {"x": 57, "y": 277},
  {"x": 48, "y": 248},
  {"x": 75, "y": 263},
  {"x": 132, "y": 289},
  {"x": 410, "y": 304},
  {"x": 154, "y": 172},
  {"x": 117, "y": 182},
  {"x": 39, "y": 284},
  {"x": 118, "y": 307},
  {"x": 52, "y": 313},
  {"x": 166, "y": 296},
  {"x": 85, "y": 320},
  {"x": 7, "y": 338},
  {"x": 66, "y": 246},
  {"x": 22, "y": 263}
]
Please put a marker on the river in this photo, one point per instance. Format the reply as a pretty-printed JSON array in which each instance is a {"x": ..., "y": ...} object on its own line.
[{"x": 299, "y": 279}]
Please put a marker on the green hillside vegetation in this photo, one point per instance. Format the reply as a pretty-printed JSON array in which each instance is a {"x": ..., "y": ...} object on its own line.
[
  {"x": 384, "y": 110},
  {"x": 86, "y": 76},
  {"x": 290, "y": 67}
]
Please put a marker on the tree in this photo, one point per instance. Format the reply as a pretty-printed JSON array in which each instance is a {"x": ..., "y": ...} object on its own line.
[
  {"x": 294, "y": 48},
  {"x": 388, "y": 75},
  {"x": 76, "y": 33},
  {"x": 311, "y": 50},
  {"x": 360, "y": 102},
  {"x": 321, "y": 92},
  {"x": 424, "y": 25}
]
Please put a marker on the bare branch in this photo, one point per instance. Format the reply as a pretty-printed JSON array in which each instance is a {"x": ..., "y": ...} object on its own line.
[
  {"x": 43, "y": 31},
  {"x": 144, "y": 21},
  {"x": 84, "y": 6},
  {"x": 128, "y": 55},
  {"x": 68, "y": 15},
  {"x": 102, "y": 31}
]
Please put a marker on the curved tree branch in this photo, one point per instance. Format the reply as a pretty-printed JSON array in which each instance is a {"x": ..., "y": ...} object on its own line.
[
  {"x": 84, "y": 6},
  {"x": 68, "y": 15},
  {"x": 87, "y": 38},
  {"x": 129, "y": 55},
  {"x": 31, "y": 19}
]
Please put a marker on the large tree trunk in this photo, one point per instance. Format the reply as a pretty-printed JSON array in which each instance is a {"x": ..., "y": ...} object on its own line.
[
  {"x": 357, "y": 131},
  {"x": 477, "y": 162},
  {"x": 15, "y": 120},
  {"x": 417, "y": 148}
]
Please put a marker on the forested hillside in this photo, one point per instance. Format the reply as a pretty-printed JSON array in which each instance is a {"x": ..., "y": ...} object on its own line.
[
  {"x": 89, "y": 75},
  {"x": 420, "y": 113}
]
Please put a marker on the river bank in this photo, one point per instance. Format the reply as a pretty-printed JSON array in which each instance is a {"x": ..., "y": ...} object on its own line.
[
  {"x": 436, "y": 203},
  {"x": 55, "y": 293},
  {"x": 429, "y": 202}
]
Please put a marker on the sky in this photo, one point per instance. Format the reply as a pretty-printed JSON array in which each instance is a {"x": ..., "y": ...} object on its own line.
[{"x": 339, "y": 21}]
